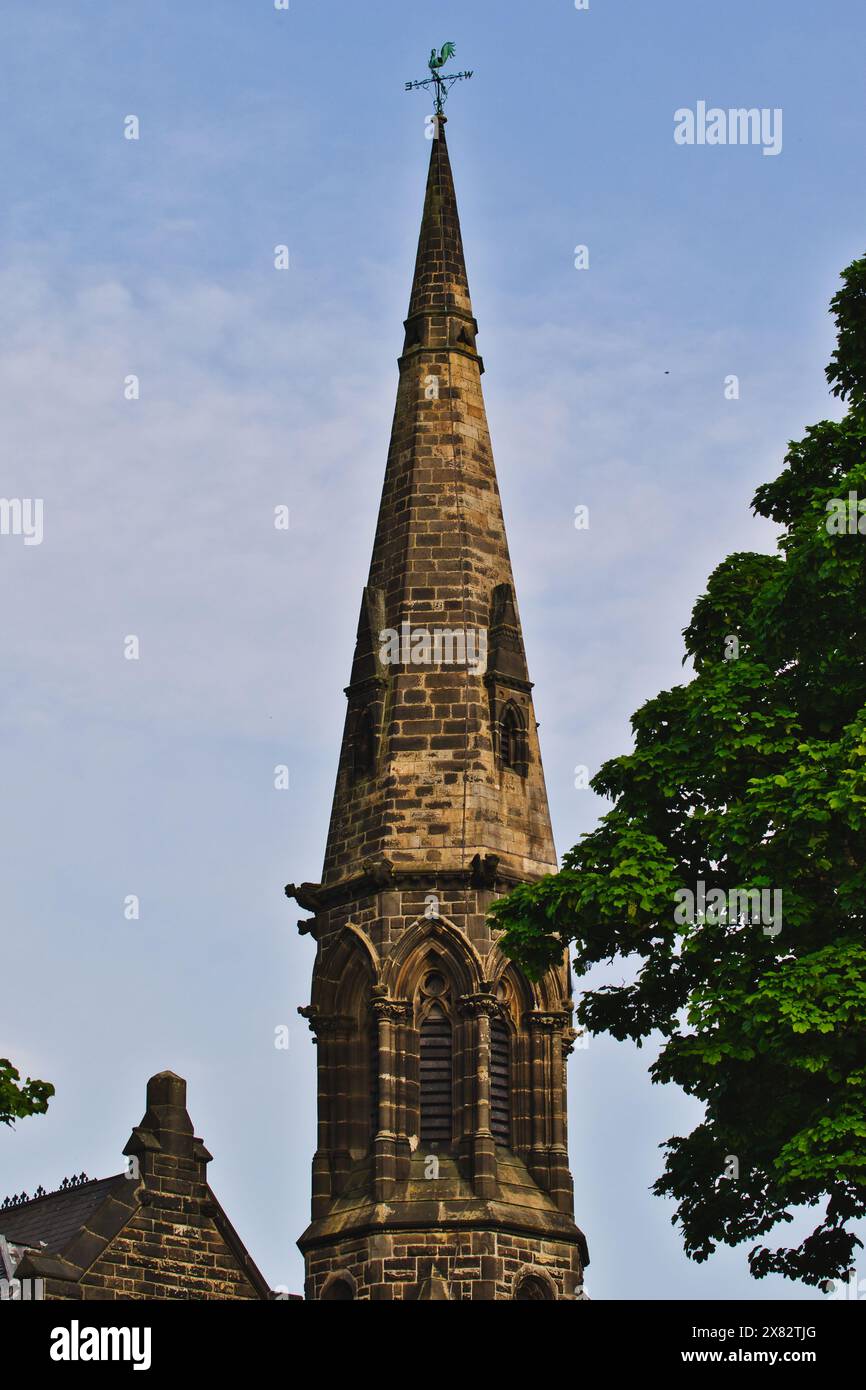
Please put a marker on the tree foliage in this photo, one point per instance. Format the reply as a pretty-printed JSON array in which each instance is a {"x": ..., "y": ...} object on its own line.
[
  {"x": 18, "y": 1100},
  {"x": 750, "y": 776}
]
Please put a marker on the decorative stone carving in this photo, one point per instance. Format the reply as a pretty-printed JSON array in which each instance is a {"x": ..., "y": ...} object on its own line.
[
  {"x": 483, "y": 870},
  {"x": 394, "y": 1010}
]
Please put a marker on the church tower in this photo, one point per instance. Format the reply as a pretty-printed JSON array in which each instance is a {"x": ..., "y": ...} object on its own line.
[{"x": 441, "y": 1167}]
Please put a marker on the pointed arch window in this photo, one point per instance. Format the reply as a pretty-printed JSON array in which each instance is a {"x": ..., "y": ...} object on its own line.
[
  {"x": 500, "y": 1081},
  {"x": 512, "y": 740},
  {"x": 436, "y": 1077},
  {"x": 364, "y": 745},
  {"x": 534, "y": 1288},
  {"x": 338, "y": 1291}
]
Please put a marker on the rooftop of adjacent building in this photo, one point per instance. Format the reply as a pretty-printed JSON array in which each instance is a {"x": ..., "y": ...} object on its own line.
[{"x": 84, "y": 1214}]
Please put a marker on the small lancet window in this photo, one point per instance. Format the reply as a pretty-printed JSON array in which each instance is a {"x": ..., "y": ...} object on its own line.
[
  {"x": 512, "y": 740},
  {"x": 364, "y": 749}
]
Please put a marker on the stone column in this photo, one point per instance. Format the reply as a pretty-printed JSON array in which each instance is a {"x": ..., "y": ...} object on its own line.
[
  {"x": 561, "y": 1187},
  {"x": 402, "y": 1050},
  {"x": 545, "y": 1033},
  {"x": 480, "y": 1008},
  {"x": 321, "y": 1194},
  {"x": 387, "y": 1015},
  {"x": 569, "y": 1037}
]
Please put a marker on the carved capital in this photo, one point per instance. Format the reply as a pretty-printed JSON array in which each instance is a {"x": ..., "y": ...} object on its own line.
[
  {"x": 551, "y": 1022},
  {"x": 330, "y": 1024},
  {"x": 392, "y": 1010},
  {"x": 477, "y": 1005},
  {"x": 482, "y": 870}
]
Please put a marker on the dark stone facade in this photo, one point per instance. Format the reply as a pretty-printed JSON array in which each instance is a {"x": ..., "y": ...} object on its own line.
[{"x": 441, "y": 1167}]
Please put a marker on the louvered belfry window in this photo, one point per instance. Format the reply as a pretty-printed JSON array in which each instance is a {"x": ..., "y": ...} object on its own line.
[
  {"x": 500, "y": 1081},
  {"x": 436, "y": 1078}
]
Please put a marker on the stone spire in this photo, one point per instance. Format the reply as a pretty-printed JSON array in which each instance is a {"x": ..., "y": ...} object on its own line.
[
  {"x": 422, "y": 776},
  {"x": 440, "y": 283},
  {"x": 441, "y": 1165}
]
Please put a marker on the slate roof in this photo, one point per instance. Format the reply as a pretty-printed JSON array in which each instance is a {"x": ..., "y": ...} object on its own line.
[{"x": 48, "y": 1223}]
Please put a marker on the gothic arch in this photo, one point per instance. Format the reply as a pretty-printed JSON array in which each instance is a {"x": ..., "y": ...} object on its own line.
[
  {"x": 347, "y": 1046},
  {"x": 513, "y": 741},
  {"x": 501, "y": 972},
  {"x": 437, "y": 1035},
  {"x": 426, "y": 937},
  {"x": 513, "y": 1075},
  {"x": 534, "y": 1284},
  {"x": 349, "y": 962},
  {"x": 338, "y": 1288},
  {"x": 546, "y": 994}
]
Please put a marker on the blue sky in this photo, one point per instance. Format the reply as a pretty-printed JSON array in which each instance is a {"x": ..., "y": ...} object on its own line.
[{"x": 604, "y": 387}]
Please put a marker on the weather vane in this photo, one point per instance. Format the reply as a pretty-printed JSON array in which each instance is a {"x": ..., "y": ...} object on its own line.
[{"x": 442, "y": 81}]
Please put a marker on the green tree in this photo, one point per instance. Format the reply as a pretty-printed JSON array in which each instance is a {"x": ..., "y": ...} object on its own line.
[
  {"x": 751, "y": 776},
  {"x": 17, "y": 1100}
]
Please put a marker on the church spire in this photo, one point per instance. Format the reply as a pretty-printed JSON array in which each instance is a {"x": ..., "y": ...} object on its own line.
[
  {"x": 441, "y": 1168},
  {"x": 440, "y": 752}
]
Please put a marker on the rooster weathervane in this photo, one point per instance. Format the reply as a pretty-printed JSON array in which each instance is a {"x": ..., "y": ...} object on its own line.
[{"x": 442, "y": 81}]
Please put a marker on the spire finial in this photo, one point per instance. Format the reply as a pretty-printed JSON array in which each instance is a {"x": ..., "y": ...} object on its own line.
[{"x": 442, "y": 81}]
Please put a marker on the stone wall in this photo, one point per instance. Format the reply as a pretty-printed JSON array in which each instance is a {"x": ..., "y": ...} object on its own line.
[
  {"x": 454, "y": 1265},
  {"x": 171, "y": 1248}
]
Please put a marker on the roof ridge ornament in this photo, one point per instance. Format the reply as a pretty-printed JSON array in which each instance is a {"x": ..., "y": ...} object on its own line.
[
  {"x": 441, "y": 81},
  {"x": 23, "y": 1198}
]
